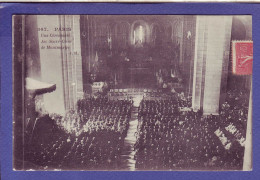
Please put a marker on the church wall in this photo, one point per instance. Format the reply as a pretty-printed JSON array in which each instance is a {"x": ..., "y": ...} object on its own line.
[
  {"x": 187, "y": 52},
  {"x": 32, "y": 48},
  {"x": 105, "y": 37},
  {"x": 18, "y": 86}
]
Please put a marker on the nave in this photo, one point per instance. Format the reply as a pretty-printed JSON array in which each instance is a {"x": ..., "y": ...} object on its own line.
[
  {"x": 159, "y": 134},
  {"x": 139, "y": 92}
]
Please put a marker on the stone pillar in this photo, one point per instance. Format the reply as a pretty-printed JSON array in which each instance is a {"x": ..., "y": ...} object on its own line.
[
  {"x": 77, "y": 57},
  {"x": 60, "y": 58},
  {"x": 218, "y": 47},
  {"x": 51, "y": 64},
  {"x": 187, "y": 52},
  {"x": 247, "y": 165},
  {"x": 199, "y": 62},
  {"x": 71, "y": 60},
  {"x": 87, "y": 50},
  {"x": 32, "y": 48},
  {"x": 212, "y": 47}
]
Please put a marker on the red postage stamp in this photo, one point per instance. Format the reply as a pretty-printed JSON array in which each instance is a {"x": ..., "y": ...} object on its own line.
[{"x": 242, "y": 57}]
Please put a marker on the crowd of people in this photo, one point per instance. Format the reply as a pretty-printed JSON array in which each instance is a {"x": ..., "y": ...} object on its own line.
[
  {"x": 172, "y": 139},
  {"x": 170, "y": 135},
  {"x": 90, "y": 138},
  {"x": 235, "y": 110}
]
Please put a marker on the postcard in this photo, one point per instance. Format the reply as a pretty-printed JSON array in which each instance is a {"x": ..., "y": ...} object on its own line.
[{"x": 132, "y": 92}]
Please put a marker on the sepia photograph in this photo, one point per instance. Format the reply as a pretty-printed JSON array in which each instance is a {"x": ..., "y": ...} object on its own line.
[{"x": 132, "y": 92}]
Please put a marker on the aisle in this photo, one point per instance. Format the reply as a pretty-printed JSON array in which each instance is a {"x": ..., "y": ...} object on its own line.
[{"x": 127, "y": 156}]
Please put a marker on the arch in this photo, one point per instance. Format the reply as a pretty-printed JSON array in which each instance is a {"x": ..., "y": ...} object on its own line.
[
  {"x": 156, "y": 32},
  {"x": 177, "y": 32},
  {"x": 153, "y": 25},
  {"x": 109, "y": 29},
  {"x": 146, "y": 30},
  {"x": 169, "y": 32},
  {"x": 244, "y": 24},
  {"x": 124, "y": 30},
  {"x": 121, "y": 33},
  {"x": 123, "y": 26}
]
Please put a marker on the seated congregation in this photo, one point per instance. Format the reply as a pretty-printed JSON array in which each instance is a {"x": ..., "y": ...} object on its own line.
[
  {"x": 90, "y": 138},
  {"x": 172, "y": 139},
  {"x": 170, "y": 135}
]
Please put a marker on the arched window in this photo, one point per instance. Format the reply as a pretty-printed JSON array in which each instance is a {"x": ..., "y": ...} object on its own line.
[
  {"x": 140, "y": 33},
  {"x": 139, "y": 36}
]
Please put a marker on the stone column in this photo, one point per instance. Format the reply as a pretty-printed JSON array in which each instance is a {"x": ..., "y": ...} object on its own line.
[
  {"x": 247, "y": 165},
  {"x": 212, "y": 47},
  {"x": 61, "y": 62},
  {"x": 199, "y": 62},
  {"x": 187, "y": 53},
  {"x": 77, "y": 57},
  {"x": 218, "y": 47},
  {"x": 71, "y": 60},
  {"x": 87, "y": 49},
  {"x": 51, "y": 64}
]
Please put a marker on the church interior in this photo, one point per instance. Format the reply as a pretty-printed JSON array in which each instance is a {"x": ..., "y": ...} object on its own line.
[{"x": 129, "y": 92}]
